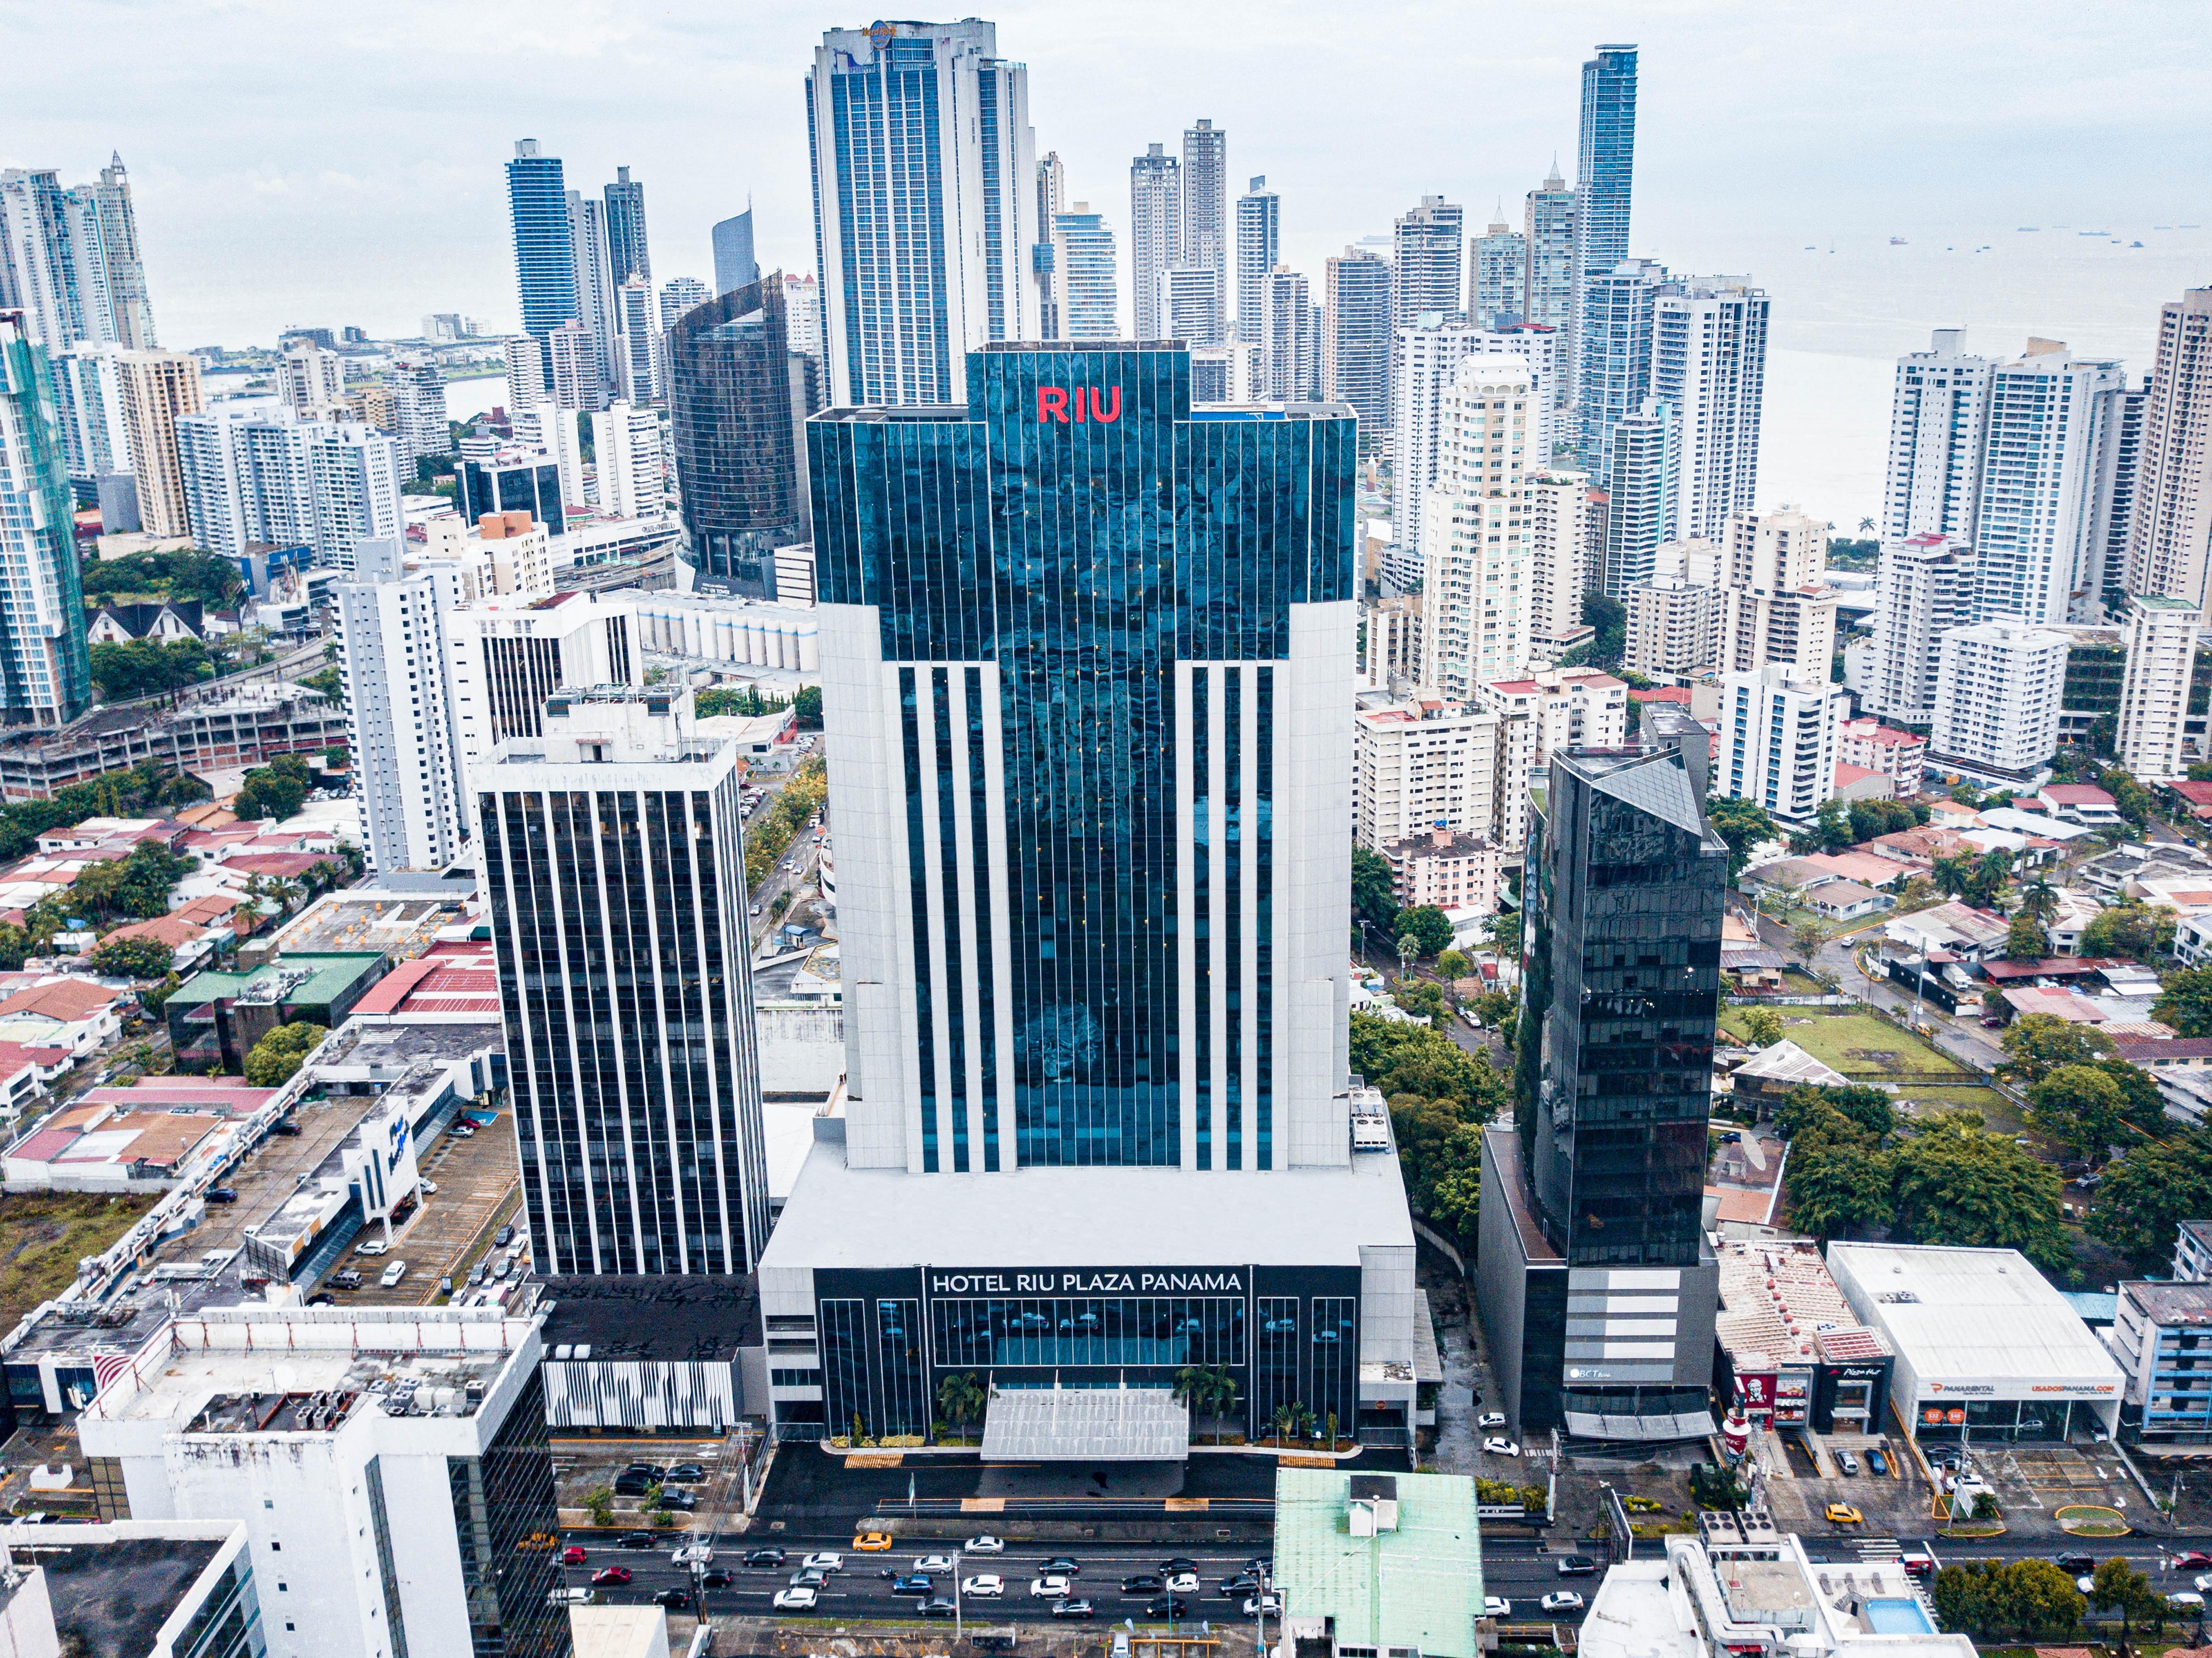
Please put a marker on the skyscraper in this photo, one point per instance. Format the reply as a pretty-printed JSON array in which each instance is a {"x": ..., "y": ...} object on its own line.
[
  {"x": 1155, "y": 232},
  {"x": 1094, "y": 901},
  {"x": 1614, "y": 361},
  {"x": 2170, "y": 546},
  {"x": 45, "y": 675},
  {"x": 156, "y": 388},
  {"x": 1430, "y": 251},
  {"x": 2162, "y": 646},
  {"x": 1709, "y": 360},
  {"x": 250, "y": 476},
  {"x": 625, "y": 229},
  {"x": 1259, "y": 250},
  {"x": 1926, "y": 588},
  {"x": 2038, "y": 548},
  {"x": 574, "y": 382},
  {"x": 131, "y": 311},
  {"x": 1938, "y": 415},
  {"x": 637, "y": 378},
  {"x": 1355, "y": 340},
  {"x": 1287, "y": 345},
  {"x": 1591, "y": 1203},
  {"x": 1606, "y": 160},
  {"x": 925, "y": 205},
  {"x": 734, "y": 263},
  {"x": 677, "y": 295},
  {"x": 418, "y": 413},
  {"x": 311, "y": 381},
  {"x": 627, "y": 462},
  {"x": 1423, "y": 358},
  {"x": 545, "y": 249},
  {"x": 1205, "y": 236},
  {"x": 1779, "y": 736},
  {"x": 1501, "y": 274},
  {"x": 595, "y": 287},
  {"x": 1639, "y": 485},
  {"x": 526, "y": 385},
  {"x": 1084, "y": 260},
  {"x": 89, "y": 412},
  {"x": 1559, "y": 563},
  {"x": 733, "y": 416},
  {"x": 1046, "y": 265},
  {"x": 615, "y": 864},
  {"x": 69, "y": 260},
  {"x": 1776, "y": 605},
  {"x": 1548, "y": 228},
  {"x": 1476, "y": 529}
]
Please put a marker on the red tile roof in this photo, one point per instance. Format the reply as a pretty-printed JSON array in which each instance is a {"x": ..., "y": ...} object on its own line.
[
  {"x": 1664, "y": 694},
  {"x": 2074, "y": 794},
  {"x": 1889, "y": 736},
  {"x": 2198, "y": 794},
  {"x": 66, "y": 999}
]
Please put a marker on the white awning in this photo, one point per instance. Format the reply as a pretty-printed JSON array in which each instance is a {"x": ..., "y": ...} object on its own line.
[
  {"x": 1086, "y": 1424},
  {"x": 1691, "y": 1425}
]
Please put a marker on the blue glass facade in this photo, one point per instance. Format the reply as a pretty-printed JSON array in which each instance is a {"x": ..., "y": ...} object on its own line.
[
  {"x": 544, "y": 252},
  {"x": 46, "y": 671},
  {"x": 1606, "y": 160},
  {"x": 1079, "y": 564}
]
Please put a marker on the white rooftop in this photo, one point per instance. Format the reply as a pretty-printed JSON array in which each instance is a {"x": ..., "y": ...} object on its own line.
[
  {"x": 1983, "y": 1313},
  {"x": 842, "y": 1217},
  {"x": 1086, "y": 1424}
]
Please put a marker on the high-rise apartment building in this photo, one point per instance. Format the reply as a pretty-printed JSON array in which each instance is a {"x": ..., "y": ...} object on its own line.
[
  {"x": 924, "y": 206},
  {"x": 526, "y": 385},
  {"x": 1998, "y": 690},
  {"x": 1429, "y": 762},
  {"x": 1559, "y": 569},
  {"x": 1779, "y": 736},
  {"x": 1615, "y": 353},
  {"x": 1084, "y": 262},
  {"x": 1938, "y": 415},
  {"x": 2170, "y": 543},
  {"x": 1926, "y": 588},
  {"x": 1605, "y": 165},
  {"x": 418, "y": 412},
  {"x": 679, "y": 295},
  {"x": 1475, "y": 530},
  {"x": 1775, "y": 606},
  {"x": 1057, "y": 934},
  {"x": 1672, "y": 629},
  {"x": 544, "y": 247},
  {"x": 2038, "y": 549},
  {"x": 45, "y": 677},
  {"x": 1188, "y": 307},
  {"x": 1155, "y": 232},
  {"x": 735, "y": 409},
  {"x": 802, "y": 322},
  {"x": 248, "y": 477},
  {"x": 1284, "y": 331},
  {"x": 1591, "y": 1202},
  {"x": 89, "y": 408},
  {"x": 637, "y": 344},
  {"x": 1642, "y": 452},
  {"x": 573, "y": 353},
  {"x": 595, "y": 286},
  {"x": 1500, "y": 256},
  {"x": 1390, "y": 642},
  {"x": 627, "y": 252},
  {"x": 630, "y": 469},
  {"x": 130, "y": 312},
  {"x": 1425, "y": 355},
  {"x": 69, "y": 260},
  {"x": 1259, "y": 251},
  {"x": 311, "y": 381},
  {"x": 735, "y": 264},
  {"x": 1430, "y": 254},
  {"x": 1544, "y": 348},
  {"x": 157, "y": 387},
  {"x": 1572, "y": 707},
  {"x": 1355, "y": 340},
  {"x": 1709, "y": 360},
  {"x": 615, "y": 863},
  {"x": 1045, "y": 265},
  {"x": 2162, "y": 646},
  {"x": 1548, "y": 229},
  {"x": 1204, "y": 237}
]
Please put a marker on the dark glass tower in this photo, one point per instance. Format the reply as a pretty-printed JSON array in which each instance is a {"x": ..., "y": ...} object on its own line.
[
  {"x": 544, "y": 251},
  {"x": 1072, "y": 639},
  {"x": 46, "y": 673},
  {"x": 626, "y": 249},
  {"x": 1594, "y": 1280},
  {"x": 736, "y": 415}
]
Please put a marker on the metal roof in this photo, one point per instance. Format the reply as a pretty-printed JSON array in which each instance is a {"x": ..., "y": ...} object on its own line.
[
  {"x": 1417, "y": 1586},
  {"x": 1087, "y": 1424}
]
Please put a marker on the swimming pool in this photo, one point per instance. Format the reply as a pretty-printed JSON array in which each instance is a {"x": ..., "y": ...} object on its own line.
[{"x": 1897, "y": 1618}]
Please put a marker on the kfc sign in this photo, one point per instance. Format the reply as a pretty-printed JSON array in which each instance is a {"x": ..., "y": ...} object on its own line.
[{"x": 1054, "y": 402}]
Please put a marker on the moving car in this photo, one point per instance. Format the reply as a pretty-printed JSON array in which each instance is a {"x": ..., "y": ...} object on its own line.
[
  {"x": 1842, "y": 1514},
  {"x": 1492, "y": 1419},
  {"x": 1496, "y": 1446},
  {"x": 674, "y": 1599},
  {"x": 985, "y": 1587},
  {"x": 1073, "y": 1609},
  {"x": 1167, "y": 1606},
  {"x": 807, "y": 1578},
  {"x": 501, "y": 1238},
  {"x": 1049, "y": 1588},
  {"x": 716, "y": 1579},
  {"x": 1576, "y": 1566},
  {"x": 1243, "y": 1584},
  {"x": 985, "y": 1544},
  {"x": 1183, "y": 1582},
  {"x": 1918, "y": 1562},
  {"x": 871, "y": 1542},
  {"x": 935, "y": 1563},
  {"x": 2192, "y": 1559},
  {"x": 2186, "y": 1601},
  {"x": 572, "y": 1555},
  {"x": 637, "y": 1539},
  {"x": 1495, "y": 1607},
  {"x": 1060, "y": 1566},
  {"x": 1144, "y": 1583},
  {"x": 795, "y": 1599},
  {"x": 2078, "y": 1562},
  {"x": 1180, "y": 1562},
  {"x": 914, "y": 1585},
  {"x": 940, "y": 1606},
  {"x": 1562, "y": 1601},
  {"x": 616, "y": 1574},
  {"x": 824, "y": 1562},
  {"x": 765, "y": 1557}
]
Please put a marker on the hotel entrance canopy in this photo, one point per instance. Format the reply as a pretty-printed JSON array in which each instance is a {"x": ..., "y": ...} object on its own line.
[{"x": 1086, "y": 1424}]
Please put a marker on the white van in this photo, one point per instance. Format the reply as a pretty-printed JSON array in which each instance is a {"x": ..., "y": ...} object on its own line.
[{"x": 392, "y": 1274}]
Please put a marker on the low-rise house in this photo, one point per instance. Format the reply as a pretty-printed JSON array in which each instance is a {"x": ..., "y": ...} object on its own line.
[
  {"x": 1863, "y": 783},
  {"x": 1951, "y": 815},
  {"x": 190, "y": 943},
  {"x": 2195, "y": 798},
  {"x": 2163, "y": 1053},
  {"x": 2069, "y": 920},
  {"x": 2079, "y": 803},
  {"x": 1954, "y": 927},
  {"x": 1753, "y": 969},
  {"x": 2035, "y": 825},
  {"x": 1778, "y": 1067},
  {"x": 1844, "y": 900},
  {"x": 2070, "y": 1005},
  {"x": 78, "y": 1016}
]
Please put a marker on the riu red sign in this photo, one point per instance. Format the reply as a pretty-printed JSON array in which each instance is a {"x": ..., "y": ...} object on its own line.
[{"x": 1055, "y": 402}]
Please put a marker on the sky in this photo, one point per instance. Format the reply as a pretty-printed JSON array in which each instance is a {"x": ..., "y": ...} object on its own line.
[{"x": 297, "y": 163}]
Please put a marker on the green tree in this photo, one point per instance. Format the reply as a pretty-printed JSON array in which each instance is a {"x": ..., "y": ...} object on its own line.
[
  {"x": 1762, "y": 1027},
  {"x": 142, "y": 667},
  {"x": 1430, "y": 927},
  {"x": 2149, "y": 1192},
  {"x": 1373, "y": 899},
  {"x": 153, "y": 996},
  {"x": 1743, "y": 824},
  {"x": 2080, "y": 1108},
  {"x": 1955, "y": 1184},
  {"x": 2039, "y": 899},
  {"x": 1455, "y": 1203},
  {"x": 1919, "y": 893},
  {"x": 2140, "y": 1101},
  {"x": 1609, "y": 616},
  {"x": 279, "y": 1054},
  {"x": 1834, "y": 825},
  {"x": 2116, "y": 1586},
  {"x": 2039, "y": 1599},
  {"x": 2184, "y": 1001},
  {"x": 2025, "y": 940},
  {"x": 1867, "y": 1109},
  {"x": 1452, "y": 964},
  {"x": 274, "y": 792},
  {"x": 2139, "y": 932},
  {"x": 2036, "y": 1044},
  {"x": 133, "y": 958},
  {"x": 1952, "y": 873},
  {"x": 1503, "y": 928},
  {"x": 210, "y": 578},
  {"x": 1806, "y": 937},
  {"x": 327, "y": 681},
  {"x": 599, "y": 1504},
  {"x": 2132, "y": 798},
  {"x": 961, "y": 1399},
  {"x": 1873, "y": 818},
  {"x": 15, "y": 945},
  {"x": 94, "y": 893}
]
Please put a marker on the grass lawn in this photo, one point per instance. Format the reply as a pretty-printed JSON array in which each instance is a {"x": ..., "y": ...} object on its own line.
[
  {"x": 1800, "y": 983},
  {"x": 43, "y": 1234},
  {"x": 1999, "y": 1114},
  {"x": 1857, "y": 1044}
]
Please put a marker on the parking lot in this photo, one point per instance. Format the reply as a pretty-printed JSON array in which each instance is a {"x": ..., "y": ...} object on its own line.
[
  {"x": 452, "y": 1230},
  {"x": 267, "y": 1177}
]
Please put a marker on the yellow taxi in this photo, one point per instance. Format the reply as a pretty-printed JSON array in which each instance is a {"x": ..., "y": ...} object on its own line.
[
  {"x": 873, "y": 1542},
  {"x": 1842, "y": 1514}
]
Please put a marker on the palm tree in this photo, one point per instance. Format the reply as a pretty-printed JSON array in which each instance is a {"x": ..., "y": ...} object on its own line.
[
  {"x": 1408, "y": 948},
  {"x": 1865, "y": 526},
  {"x": 1285, "y": 1419},
  {"x": 2039, "y": 899},
  {"x": 961, "y": 1399}
]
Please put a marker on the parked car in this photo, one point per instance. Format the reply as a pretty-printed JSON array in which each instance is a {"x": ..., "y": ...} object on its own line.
[
  {"x": 679, "y": 1501},
  {"x": 985, "y": 1544},
  {"x": 345, "y": 1278},
  {"x": 374, "y": 1246},
  {"x": 1562, "y": 1601},
  {"x": 285, "y": 1126},
  {"x": 463, "y": 1131},
  {"x": 392, "y": 1274},
  {"x": 1496, "y": 1446},
  {"x": 985, "y": 1586},
  {"x": 1492, "y": 1419},
  {"x": 1876, "y": 1463},
  {"x": 686, "y": 1474},
  {"x": 615, "y": 1575},
  {"x": 632, "y": 1485},
  {"x": 1847, "y": 1462},
  {"x": 795, "y": 1599},
  {"x": 222, "y": 1194}
]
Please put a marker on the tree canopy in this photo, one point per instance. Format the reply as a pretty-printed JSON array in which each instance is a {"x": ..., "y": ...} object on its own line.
[
  {"x": 1373, "y": 893},
  {"x": 2139, "y": 932},
  {"x": 140, "y": 667},
  {"x": 1440, "y": 1097},
  {"x": 2149, "y": 1191},
  {"x": 2185, "y": 1002},
  {"x": 279, "y": 1054},
  {"x": 2036, "y": 1044},
  {"x": 1743, "y": 824},
  {"x": 1429, "y": 927},
  {"x": 2080, "y": 1108},
  {"x": 213, "y": 580},
  {"x": 1953, "y": 1183},
  {"x": 274, "y": 792}
]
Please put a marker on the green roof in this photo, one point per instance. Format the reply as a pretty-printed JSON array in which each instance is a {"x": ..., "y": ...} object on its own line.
[
  {"x": 328, "y": 976},
  {"x": 1418, "y": 1586}
]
